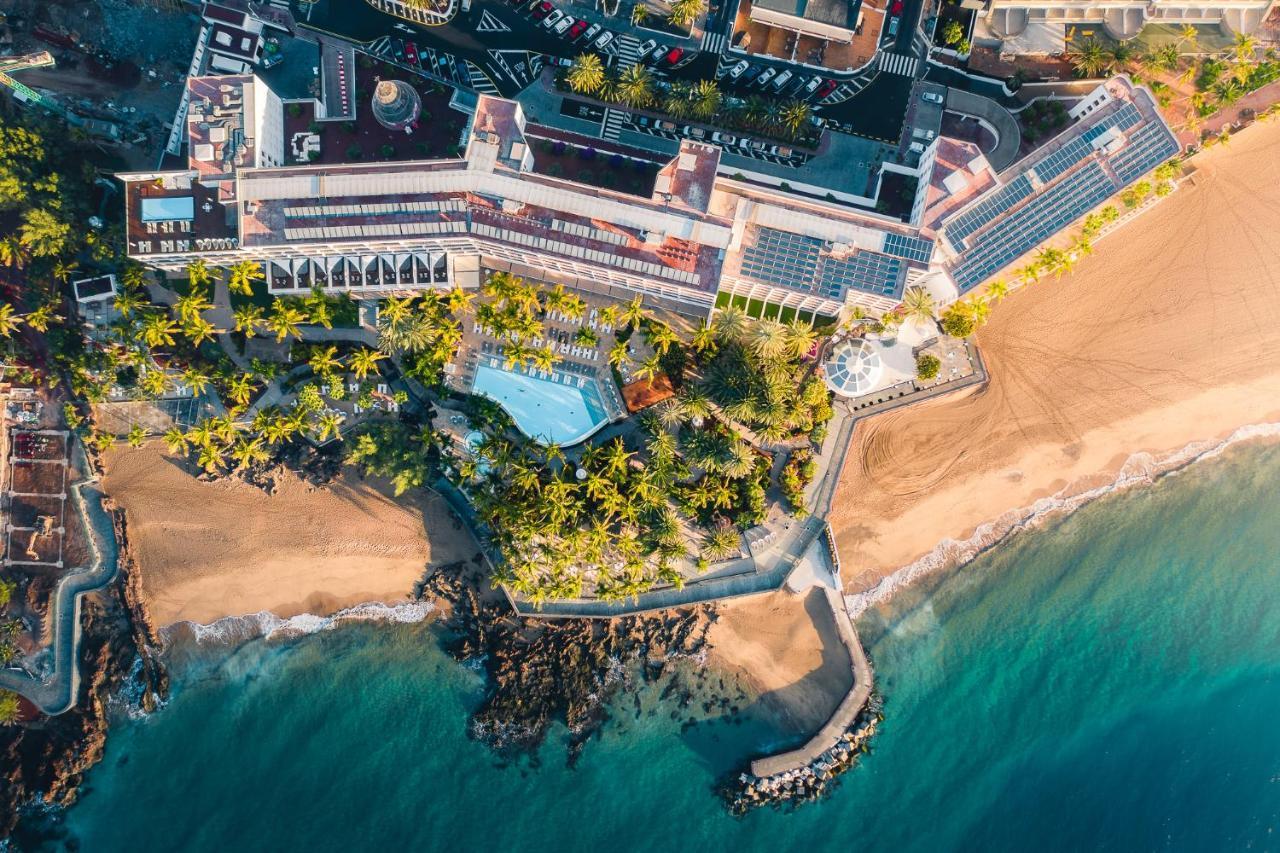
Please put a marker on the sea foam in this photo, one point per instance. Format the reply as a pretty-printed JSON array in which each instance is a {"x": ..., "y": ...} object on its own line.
[
  {"x": 1139, "y": 469},
  {"x": 267, "y": 625}
]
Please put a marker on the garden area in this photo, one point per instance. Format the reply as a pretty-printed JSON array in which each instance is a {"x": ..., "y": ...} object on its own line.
[{"x": 586, "y": 164}]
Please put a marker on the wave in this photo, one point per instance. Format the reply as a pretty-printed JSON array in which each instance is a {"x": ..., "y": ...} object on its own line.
[
  {"x": 231, "y": 630},
  {"x": 1139, "y": 469}
]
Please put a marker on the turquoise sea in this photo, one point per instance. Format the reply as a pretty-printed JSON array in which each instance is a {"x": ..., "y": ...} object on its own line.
[{"x": 1108, "y": 682}]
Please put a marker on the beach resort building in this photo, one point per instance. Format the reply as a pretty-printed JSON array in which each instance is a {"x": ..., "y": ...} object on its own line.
[
  {"x": 688, "y": 237},
  {"x": 1035, "y": 26}
]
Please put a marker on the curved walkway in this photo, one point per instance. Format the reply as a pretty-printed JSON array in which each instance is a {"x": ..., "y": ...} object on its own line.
[
  {"x": 58, "y": 692},
  {"x": 1005, "y": 126},
  {"x": 845, "y": 714}
]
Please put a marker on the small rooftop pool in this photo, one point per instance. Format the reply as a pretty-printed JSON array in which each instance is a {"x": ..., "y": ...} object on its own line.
[{"x": 548, "y": 406}]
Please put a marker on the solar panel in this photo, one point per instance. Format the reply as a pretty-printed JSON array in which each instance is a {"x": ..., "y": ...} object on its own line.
[
  {"x": 780, "y": 257},
  {"x": 870, "y": 272},
  {"x": 983, "y": 212},
  {"x": 1062, "y": 160},
  {"x": 912, "y": 248}
]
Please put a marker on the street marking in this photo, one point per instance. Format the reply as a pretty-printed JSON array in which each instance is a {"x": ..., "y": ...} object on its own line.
[{"x": 490, "y": 23}]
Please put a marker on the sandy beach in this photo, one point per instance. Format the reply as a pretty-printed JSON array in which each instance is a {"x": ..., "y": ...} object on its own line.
[
  {"x": 787, "y": 648},
  {"x": 1167, "y": 335},
  {"x": 211, "y": 550}
]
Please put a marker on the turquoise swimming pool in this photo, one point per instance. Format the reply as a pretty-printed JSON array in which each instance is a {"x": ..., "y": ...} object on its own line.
[{"x": 558, "y": 407}]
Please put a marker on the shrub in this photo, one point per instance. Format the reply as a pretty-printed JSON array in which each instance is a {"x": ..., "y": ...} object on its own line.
[
  {"x": 354, "y": 152},
  {"x": 294, "y": 110},
  {"x": 555, "y": 170},
  {"x": 315, "y": 127},
  {"x": 957, "y": 321},
  {"x": 927, "y": 366},
  {"x": 388, "y": 150}
]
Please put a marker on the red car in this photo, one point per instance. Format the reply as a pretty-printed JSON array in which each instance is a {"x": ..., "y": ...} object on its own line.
[
  {"x": 897, "y": 9},
  {"x": 825, "y": 89},
  {"x": 541, "y": 10},
  {"x": 411, "y": 53},
  {"x": 673, "y": 56},
  {"x": 576, "y": 30}
]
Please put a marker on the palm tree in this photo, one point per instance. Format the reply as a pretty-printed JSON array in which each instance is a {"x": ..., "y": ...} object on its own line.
[
  {"x": 247, "y": 451},
  {"x": 768, "y": 339},
  {"x": 9, "y": 321},
  {"x": 242, "y": 276},
  {"x": 794, "y": 115},
  {"x": 459, "y": 300},
  {"x": 997, "y": 290},
  {"x": 154, "y": 382},
  {"x": 191, "y": 305},
  {"x": 247, "y": 320},
  {"x": 650, "y": 367},
  {"x": 661, "y": 337},
  {"x": 198, "y": 274},
  {"x": 722, "y": 542},
  {"x": 318, "y": 308},
  {"x": 800, "y": 338},
  {"x": 917, "y": 304},
  {"x": 327, "y": 425},
  {"x": 616, "y": 457},
  {"x": 684, "y": 12},
  {"x": 1245, "y": 48},
  {"x": 157, "y": 330},
  {"x": 1089, "y": 58},
  {"x": 677, "y": 101},
  {"x": 13, "y": 253},
  {"x": 128, "y": 301},
  {"x": 199, "y": 330},
  {"x": 586, "y": 75},
  {"x": 706, "y": 95},
  {"x": 618, "y": 353},
  {"x": 635, "y": 85},
  {"x": 176, "y": 439},
  {"x": 324, "y": 361},
  {"x": 365, "y": 361},
  {"x": 284, "y": 320},
  {"x": 210, "y": 458},
  {"x": 639, "y": 14},
  {"x": 137, "y": 436},
  {"x": 634, "y": 313},
  {"x": 41, "y": 318},
  {"x": 1189, "y": 36},
  {"x": 240, "y": 388},
  {"x": 730, "y": 323},
  {"x": 704, "y": 339}
]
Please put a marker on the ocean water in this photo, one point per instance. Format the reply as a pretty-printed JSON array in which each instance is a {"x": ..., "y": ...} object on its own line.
[{"x": 1110, "y": 681}]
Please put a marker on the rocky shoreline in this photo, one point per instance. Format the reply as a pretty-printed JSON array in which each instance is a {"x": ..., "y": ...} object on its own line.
[
  {"x": 743, "y": 792},
  {"x": 543, "y": 671},
  {"x": 44, "y": 758}
]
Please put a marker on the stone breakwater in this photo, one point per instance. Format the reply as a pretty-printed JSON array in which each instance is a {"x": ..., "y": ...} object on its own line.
[
  {"x": 541, "y": 671},
  {"x": 744, "y": 792}
]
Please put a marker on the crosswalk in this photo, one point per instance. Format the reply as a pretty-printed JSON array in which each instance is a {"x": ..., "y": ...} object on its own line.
[
  {"x": 896, "y": 63},
  {"x": 480, "y": 81},
  {"x": 714, "y": 42},
  {"x": 627, "y": 49},
  {"x": 612, "y": 124}
]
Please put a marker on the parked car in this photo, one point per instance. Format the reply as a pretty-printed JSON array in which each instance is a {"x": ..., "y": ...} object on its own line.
[
  {"x": 674, "y": 55},
  {"x": 592, "y": 32},
  {"x": 656, "y": 52},
  {"x": 766, "y": 76},
  {"x": 665, "y": 125},
  {"x": 646, "y": 47},
  {"x": 782, "y": 79},
  {"x": 932, "y": 98},
  {"x": 893, "y": 26},
  {"x": 552, "y": 19},
  {"x": 642, "y": 121},
  {"x": 565, "y": 22},
  {"x": 562, "y": 61},
  {"x": 693, "y": 132},
  {"x": 542, "y": 9},
  {"x": 397, "y": 47},
  {"x": 577, "y": 29},
  {"x": 724, "y": 138},
  {"x": 826, "y": 89},
  {"x": 605, "y": 38},
  {"x": 739, "y": 67},
  {"x": 411, "y": 53},
  {"x": 812, "y": 85},
  {"x": 897, "y": 8},
  {"x": 752, "y": 73}
]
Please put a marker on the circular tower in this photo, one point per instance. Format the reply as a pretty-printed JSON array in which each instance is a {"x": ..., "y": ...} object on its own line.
[{"x": 396, "y": 105}]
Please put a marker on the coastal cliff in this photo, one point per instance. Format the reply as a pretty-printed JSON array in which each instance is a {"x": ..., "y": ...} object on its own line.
[{"x": 43, "y": 759}]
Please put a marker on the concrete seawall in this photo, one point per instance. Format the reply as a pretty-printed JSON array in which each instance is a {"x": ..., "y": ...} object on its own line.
[{"x": 845, "y": 714}]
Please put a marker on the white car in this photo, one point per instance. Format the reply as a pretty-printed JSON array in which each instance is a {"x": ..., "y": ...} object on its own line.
[
  {"x": 766, "y": 76},
  {"x": 781, "y": 80},
  {"x": 565, "y": 22},
  {"x": 932, "y": 98},
  {"x": 724, "y": 138},
  {"x": 646, "y": 48},
  {"x": 591, "y": 33},
  {"x": 550, "y": 20},
  {"x": 736, "y": 71},
  {"x": 604, "y": 39},
  {"x": 812, "y": 85}
]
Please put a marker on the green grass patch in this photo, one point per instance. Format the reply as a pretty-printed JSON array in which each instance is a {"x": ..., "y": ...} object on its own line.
[
  {"x": 722, "y": 299},
  {"x": 755, "y": 308},
  {"x": 788, "y": 314},
  {"x": 771, "y": 311},
  {"x": 740, "y": 302}
]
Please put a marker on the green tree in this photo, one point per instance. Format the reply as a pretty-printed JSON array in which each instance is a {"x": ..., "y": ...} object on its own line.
[
  {"x": 917, "y": 304},
  {"x": 365, "y": 361},
  {"x": 137, "y": 436},
  {"x": 284, "y": 320},
  {"x": 927, "y": 366},
  {"x": 1089, "y": 58},
  {"x": 9, "y": 321},
  {"x": 957, "y": 320},
  {"x": 242, "y": 276},
  {"x": 684, "y": 12},
  {"x": 952, "y": 33},
  {"x": 706, "y": 97},
  {"x": 586, "y": 75},
  {"x": 635, "y": 85},
  {"x": 248, "y": 319},
  {"x": 9, "y": 707},
  {"x": 43, "y": 234}
]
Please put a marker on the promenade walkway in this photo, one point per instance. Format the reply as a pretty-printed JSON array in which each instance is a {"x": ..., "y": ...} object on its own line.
[{"x": 57, "y": 693}]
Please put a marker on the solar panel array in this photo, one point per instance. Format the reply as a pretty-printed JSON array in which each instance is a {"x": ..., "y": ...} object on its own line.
[
  {"x": 1024, "y": 229},
  {"x": 1062, "y": 160},
  {"x": 780, "y": 257},
  {"x": 870, "y": 272},
  {"x": 1148, "y": 147},
  {"x": 912, "y": 248},
  {"x": 980, "y": 214}
]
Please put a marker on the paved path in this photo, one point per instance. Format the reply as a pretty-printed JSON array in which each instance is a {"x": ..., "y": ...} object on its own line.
[
  {"x": 58, "y": 692},
  {"x": 845, "y": 714}
]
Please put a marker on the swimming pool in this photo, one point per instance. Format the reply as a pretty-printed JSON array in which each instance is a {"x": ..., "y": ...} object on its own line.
[{"x": 546, "y": 406}]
